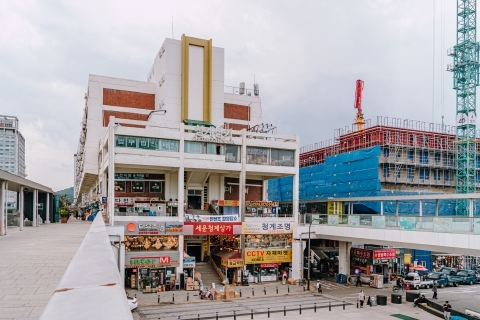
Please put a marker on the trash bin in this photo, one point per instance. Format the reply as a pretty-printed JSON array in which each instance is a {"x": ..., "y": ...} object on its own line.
[
  {"x": 381, "y": 300},
  {"x": 411, "y": 296},
  {"x": 396, "y": 298}
]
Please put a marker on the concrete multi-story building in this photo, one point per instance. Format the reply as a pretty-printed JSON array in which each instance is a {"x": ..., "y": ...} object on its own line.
[
  {"x": 12, "y": 152},
  {"x": 180, "y": 163}
]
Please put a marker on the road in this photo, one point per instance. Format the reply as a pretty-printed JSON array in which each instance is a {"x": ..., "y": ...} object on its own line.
[{"x": 461, "y": 297}]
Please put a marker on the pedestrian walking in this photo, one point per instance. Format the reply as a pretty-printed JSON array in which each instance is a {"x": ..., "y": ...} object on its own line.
[
  {"x": 319, "y": 287},
  {"x": 434, "y": 289},
  {"x": 359, "y": 281},
  {"x": 361, "y": 298},
  {"x": 284, "y": 277},
  {"x": 447, "y": 310}
]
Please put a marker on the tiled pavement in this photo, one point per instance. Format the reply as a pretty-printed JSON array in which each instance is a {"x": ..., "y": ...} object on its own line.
[{"x": 32, "y": 262}]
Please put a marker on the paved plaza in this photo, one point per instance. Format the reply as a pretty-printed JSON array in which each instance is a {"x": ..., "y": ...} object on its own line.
[{"x": 32, "y": 263}]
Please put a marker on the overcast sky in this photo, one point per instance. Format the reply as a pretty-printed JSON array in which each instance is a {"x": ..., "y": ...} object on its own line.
[{"x": 305, "y": 55}]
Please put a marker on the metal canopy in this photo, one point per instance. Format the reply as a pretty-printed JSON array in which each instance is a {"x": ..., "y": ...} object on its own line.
[
  {"x": 14, "y": 183},
  {"x": 189, "y": 122}
]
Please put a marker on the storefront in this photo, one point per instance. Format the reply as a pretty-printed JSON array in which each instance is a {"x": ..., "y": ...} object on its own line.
[
  {"x": 228, "y": 207},
  {"x": 197, "y": 247},
  {"x": 267, "y": 249},
  {"x": 261, "y": 209},
  {"x": 267, "y": 265},
  {"x": 372, "y": 261},
  {"x": 151, "y": 254}
]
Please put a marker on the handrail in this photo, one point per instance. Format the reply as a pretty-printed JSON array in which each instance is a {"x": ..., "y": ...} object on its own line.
[{"x": 91, "y": 277}]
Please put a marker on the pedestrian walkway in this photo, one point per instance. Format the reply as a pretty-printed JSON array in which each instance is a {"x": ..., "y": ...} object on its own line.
[
  {"x": 330, "y": 285},
  {"x": 32, "y": 263},
  {"x": 208, "y": 274}
]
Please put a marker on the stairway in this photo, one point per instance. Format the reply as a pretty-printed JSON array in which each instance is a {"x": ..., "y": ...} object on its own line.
[{"x": 209, "y": 275}]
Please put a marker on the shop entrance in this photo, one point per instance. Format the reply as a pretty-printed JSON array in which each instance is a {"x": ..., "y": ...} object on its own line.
[{"x": 195, "y": 250}]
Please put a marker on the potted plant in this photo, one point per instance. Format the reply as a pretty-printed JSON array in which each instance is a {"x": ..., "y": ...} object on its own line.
[
  {"x": 64, "y": 208},
  {"x": 64, "y": 215}
]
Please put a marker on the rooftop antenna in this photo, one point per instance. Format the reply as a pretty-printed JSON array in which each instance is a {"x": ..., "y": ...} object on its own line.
[{"x": 172, "y": 29}]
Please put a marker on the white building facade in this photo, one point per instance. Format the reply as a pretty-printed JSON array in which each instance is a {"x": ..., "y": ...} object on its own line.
[{"x": 179, "y": 164}]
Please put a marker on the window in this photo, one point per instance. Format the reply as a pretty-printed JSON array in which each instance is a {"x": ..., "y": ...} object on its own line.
[
  {"x": 386, "y": 152},
  {"x": 423, "y": 157},
  {"x": 447, "y": 176},
  {"x": 437, "y": 157},
  {"x": 168, "y": 145},
  {"x": 410, "y": 172},
  {"x": 146, "y": 143},
  {"x": 257, "y": 155},
  {"x": 281, "y": 157},
  {"x": 424, "y": 173},
  {"x": 411, "y": 154},
  {"x": 131, "y": 142},
  {"x": 193, "y": 147},
  {"x": 232, "y": 153},
  {"x": 137, "y": 186},
  {"x": 437, "y": 174},
  {"x": 386, "y": 171}
]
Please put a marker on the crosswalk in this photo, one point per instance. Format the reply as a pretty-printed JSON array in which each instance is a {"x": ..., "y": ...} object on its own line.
[{"x": 329, "y": 285}]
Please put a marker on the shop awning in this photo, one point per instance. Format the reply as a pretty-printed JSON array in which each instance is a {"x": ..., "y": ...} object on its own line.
[
  {"x": 189, "y": 122},
  {"x": 227, "y": 254}
]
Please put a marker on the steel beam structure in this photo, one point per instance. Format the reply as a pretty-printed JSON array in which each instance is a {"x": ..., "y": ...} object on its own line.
[{"x": 465, "y": 81}]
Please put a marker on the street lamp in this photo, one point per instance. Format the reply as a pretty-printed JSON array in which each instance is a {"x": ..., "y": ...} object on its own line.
[{"x": 308, "y": 271}]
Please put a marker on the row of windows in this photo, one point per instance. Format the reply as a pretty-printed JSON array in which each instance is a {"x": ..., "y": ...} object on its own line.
[
  {"x": 146, "y": 143},
  {"x": 264, "y": 156},
  {"x": 423, "y": 173}
]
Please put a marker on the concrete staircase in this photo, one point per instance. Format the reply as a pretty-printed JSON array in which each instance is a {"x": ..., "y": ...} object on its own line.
[{"x": 209, "y": 275}]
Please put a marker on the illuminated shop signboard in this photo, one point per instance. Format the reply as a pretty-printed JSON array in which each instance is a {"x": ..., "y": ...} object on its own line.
[{"x": 268, "y": 256}]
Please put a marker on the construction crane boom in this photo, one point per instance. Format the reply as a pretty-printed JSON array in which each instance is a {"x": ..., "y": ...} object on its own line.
[{"x": 359, "y": 121}]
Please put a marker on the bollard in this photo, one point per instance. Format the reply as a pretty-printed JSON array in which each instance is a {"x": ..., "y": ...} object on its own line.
[
  {"x": 277, "y": 289},
  {"x": 264, "y": 291},
  {"x": 284, "y": 311},
  {"x": 268, "y": 312},
  {"x": 234, "y": 315},
  {"x": 343, "y": 304},
  {"x": 251, "y": 314},
  {"x": 329, "y": 306},
  {"x": 158, "y": 299},
  {"x": 198, "y": 316},
  {"x": 370, "y": 301},
  {"x": 303, "y": 288},
  {"x": 135, "y": 296},
  {"x": 357, "y": 304},
  {"x": 300, "y": 309},
  {"x": 240, "y": 293},
  {"x": 216, "y": 316},
  {"x": 188, "y": 296},
  {"x": 253, "y": 292},
  {"x": 315, "y": 307},
  {"x": 173, "y": 297},
  {"x": 288, "y": 289},
  {"x": 178, "y": 317}
]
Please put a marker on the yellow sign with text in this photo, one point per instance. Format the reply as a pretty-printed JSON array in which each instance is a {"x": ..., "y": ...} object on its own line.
[
  {"x": 335, "y": 207},
  {"x": 232, "y": 263},
  {"x": 268, "y": 256}
]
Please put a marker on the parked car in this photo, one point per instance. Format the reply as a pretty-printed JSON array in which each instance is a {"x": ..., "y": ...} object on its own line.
[
  {"x": 415, "y": 281},
  {"x": 443, "y": 279},
  {"x": 468, "y": 276}
]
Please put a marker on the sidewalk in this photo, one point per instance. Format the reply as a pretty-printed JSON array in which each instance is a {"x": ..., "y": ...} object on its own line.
[{"x": 32, "y": 263}]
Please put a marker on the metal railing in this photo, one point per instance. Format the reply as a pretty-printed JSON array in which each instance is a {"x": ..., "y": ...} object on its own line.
[
  {"x": 91, "y": 287},
  {"x": 444, "y": 224}
]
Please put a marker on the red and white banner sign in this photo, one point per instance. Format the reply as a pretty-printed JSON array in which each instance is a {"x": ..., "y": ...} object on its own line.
[{"x": 212, "y": 228}]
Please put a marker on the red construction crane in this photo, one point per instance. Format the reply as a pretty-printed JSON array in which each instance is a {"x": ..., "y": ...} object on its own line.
[{"x": 358, "y": 105}]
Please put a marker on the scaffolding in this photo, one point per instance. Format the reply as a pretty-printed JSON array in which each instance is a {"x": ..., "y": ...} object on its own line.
[{"x": 412, "y": 152}]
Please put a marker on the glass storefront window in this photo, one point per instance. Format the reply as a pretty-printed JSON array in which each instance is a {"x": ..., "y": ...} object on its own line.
[
  {"x": 268, "y": 241},
  {"x": 257, "y": 155},
  {"x": 151, "y": 243},
  {"x": 281, "y": 157},
  {"x": 232, "y": 153},
  {"x": 131, "y": 142}
]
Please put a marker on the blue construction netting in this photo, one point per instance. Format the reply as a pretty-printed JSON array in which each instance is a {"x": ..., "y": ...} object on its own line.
[{"x": 353, "y": 174}]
